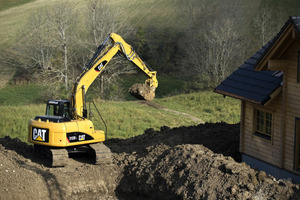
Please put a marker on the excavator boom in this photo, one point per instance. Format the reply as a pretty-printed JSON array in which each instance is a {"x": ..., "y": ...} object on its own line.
[{"x": 98, "y": 63}]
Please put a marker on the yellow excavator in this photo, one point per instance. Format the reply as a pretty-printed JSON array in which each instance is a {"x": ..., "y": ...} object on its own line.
[{"x": 66, "y": 128}]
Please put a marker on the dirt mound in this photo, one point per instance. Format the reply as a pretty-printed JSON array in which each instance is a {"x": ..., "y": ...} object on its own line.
[
  {"x": 219, "y": 137},
  {"x": 198, "y": 162},
  {"x": 195, "y": 172}
]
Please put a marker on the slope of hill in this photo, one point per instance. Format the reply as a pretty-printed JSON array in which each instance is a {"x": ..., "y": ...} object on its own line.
[
  {"x": 11, "y": 23},
  {"x": 13, "y": 20},
  {"x": 4, "y": 4},
  {"x": 135, "y": 11}
]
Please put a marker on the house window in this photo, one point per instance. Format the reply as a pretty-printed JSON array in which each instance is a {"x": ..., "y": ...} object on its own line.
[{"x": 263, "y": 124}]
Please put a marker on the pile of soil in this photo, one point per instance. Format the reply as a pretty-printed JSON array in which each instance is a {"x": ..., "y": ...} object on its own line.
[
  {"x": 197, "y": 162},
  {"x": 142, "y": 92}
]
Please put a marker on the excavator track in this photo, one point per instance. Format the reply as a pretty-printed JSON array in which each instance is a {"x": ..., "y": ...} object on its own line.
[
  {"x": 58, "y": 157},
  {"x": 102, "y": 153}
]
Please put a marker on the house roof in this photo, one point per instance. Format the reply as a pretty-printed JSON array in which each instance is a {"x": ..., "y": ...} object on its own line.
[
  {"x": 247, "y": 84},
  {"x": 256, "y": 86},
  {"x": 294, "y": 21}
]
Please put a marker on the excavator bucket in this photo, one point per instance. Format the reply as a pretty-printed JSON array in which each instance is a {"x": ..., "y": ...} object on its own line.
[{"x": 142, "y": 92}]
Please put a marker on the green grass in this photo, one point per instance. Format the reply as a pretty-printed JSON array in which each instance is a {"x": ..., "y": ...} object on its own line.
[
  {"x": 123, "y": 119},
  {"x": 208, "y": 106},
  {"x": 14, "y": 119},
  {"x": 132, "y": 13},
  {"x": 128, "y": 119},
  {"x": 5, "y": 4},
  {"x": 20, "y": 95}
]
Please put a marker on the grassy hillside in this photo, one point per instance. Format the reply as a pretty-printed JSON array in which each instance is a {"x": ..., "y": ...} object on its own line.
[
  {"x": 13, "y": 19},
  {"x": 208, "y": 106},
  {"x": 15, "y": 13},
  {"x": 155, "y": 12},
  {"x": 4, "y": 4}
]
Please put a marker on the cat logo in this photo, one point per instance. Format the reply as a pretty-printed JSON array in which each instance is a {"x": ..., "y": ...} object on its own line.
[
  {"x": 40, "y": 134},
  {"x": 100, "y": 66},
  {"x": 81, "y": 137}
]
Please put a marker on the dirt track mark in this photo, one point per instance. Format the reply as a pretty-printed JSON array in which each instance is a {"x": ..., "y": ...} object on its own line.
[{"x": 160, "y": 107}]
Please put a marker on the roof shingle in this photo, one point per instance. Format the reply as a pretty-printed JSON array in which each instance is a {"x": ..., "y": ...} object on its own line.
[{"x": 255, "y": 86}]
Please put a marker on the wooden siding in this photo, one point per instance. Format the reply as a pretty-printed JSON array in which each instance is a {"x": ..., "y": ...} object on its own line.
[
  {"x": 292, "y": 105},
  {"x": 269, "y": 151},
  {"x": 258, "y": 147}
]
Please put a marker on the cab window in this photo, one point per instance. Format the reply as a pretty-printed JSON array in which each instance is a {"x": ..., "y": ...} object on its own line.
[
  {"x": 52, "y": 110},
  {"x": 66, "y": 111}
]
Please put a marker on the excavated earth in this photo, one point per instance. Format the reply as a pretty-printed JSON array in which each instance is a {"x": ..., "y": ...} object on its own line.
[
  {"x": 142, "y": 92},
  {"x": 197, "y": 162}
]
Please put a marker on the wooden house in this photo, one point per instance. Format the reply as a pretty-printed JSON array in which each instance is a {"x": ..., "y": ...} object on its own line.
[{"x": 268, "y": 85}]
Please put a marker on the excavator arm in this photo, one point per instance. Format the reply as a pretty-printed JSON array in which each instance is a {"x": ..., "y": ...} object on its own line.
[{"x": 98, "y": 63}]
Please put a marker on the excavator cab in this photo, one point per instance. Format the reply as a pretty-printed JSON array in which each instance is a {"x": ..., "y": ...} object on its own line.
[
  {"x": 56, "y": 111},
  {"x": 58, "y": 108}
]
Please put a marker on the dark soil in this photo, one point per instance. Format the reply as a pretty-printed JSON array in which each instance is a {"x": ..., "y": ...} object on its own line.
[{"x": 197, "y": 162}]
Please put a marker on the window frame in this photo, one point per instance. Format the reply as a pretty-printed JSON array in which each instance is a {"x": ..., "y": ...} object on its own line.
[{"x": 262, "y": 133}]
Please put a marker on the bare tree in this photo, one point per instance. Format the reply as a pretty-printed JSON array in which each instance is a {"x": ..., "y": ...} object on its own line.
[
  {"x": 36, "y": 48},
  {"x": 45, "y": 46},
  {"x": 101, "y": 21},
  {"x": 214, "y": 40},
  {"x": 222, "y": 44},
  {"x": 263, "y": 25},
  {"x": 62, "y": 17}
]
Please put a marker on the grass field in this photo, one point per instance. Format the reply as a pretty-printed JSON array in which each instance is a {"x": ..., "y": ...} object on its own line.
[
  {"x": 20, "y": 95},
  {"x": 130, "y": 118},
  {"x": 208, "y": 106}
]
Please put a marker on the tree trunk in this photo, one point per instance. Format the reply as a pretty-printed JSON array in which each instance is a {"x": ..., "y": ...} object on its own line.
[{"x": 65, "y": 60}]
